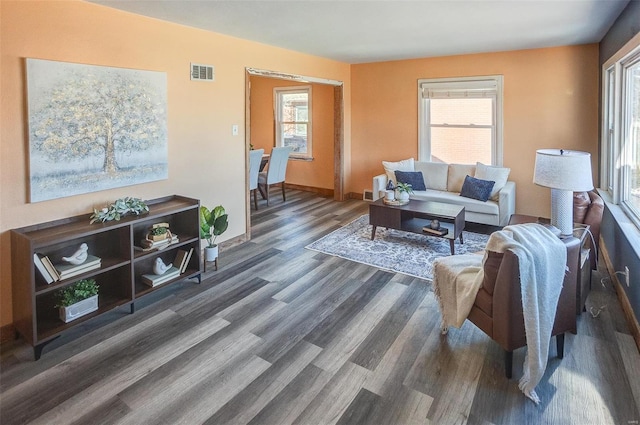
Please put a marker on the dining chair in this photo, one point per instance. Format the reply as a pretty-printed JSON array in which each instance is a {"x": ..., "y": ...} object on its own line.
[
  {"x": 255, "y": 158},
  {"x": 276, "y": 172}
]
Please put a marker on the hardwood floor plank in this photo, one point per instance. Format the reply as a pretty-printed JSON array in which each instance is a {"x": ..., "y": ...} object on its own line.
[
  {"x": 631, "y": 361},
  {"x": 252, "y": 399},
  {"x": 126, "y": 374},
  {"x": 397, "y": 362},
  {"x": 362, "y": 409},
  {"x": 107, "y": 413},
  {"x": 294, "y": 398},
  {"x": 327, "y": 329},
  {"x": 296, "y": 320},
  {"x": 329, "y": 405},
  {"x": 373, "y": 348},
  {"x": 338, "y": 351}
]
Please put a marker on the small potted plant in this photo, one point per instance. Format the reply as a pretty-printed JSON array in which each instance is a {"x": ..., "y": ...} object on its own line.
[
  {"x": 213, "y": 223},
  {"x": 78, "y": 299},
  {"x": 403, "y": 189}
]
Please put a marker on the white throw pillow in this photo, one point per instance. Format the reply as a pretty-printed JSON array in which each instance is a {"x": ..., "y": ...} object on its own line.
[
  {"x": 391, "y": 167},
  {"x": 435, "y": 174},
  {"x": 456, "y": 175},
  {"x": 496, "y": 174}
]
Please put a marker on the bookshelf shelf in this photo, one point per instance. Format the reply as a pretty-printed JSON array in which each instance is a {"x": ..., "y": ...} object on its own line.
[{"x": 121, "y": 267}]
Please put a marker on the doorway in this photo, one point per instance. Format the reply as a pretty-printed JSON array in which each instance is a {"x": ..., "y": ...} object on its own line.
[{"x": 265, "y": 130}]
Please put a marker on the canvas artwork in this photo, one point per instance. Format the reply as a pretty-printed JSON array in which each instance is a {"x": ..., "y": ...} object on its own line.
[{"x": 94, "y": 128}]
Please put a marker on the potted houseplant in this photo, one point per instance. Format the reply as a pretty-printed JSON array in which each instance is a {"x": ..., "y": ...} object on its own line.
[
  {"x": 78, "y": 299},
  {"x": 403, "y": 189},
  {"x": 213, "y": 223}
]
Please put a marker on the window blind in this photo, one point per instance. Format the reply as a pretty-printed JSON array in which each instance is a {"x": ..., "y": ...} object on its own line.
[{"x": 459, "y": 89}]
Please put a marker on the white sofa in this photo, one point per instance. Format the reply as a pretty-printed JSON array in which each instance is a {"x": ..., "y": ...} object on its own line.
[{"x": 443, "y": 183}]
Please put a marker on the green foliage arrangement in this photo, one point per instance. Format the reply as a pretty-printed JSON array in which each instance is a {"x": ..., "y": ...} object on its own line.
[
  {"x": 159, "y": 231},
  {"x": 404, "y": 187},
  {"x": 119, "y": 208},
  {"x": 213, "y": 223},
  {"x": 77, "y": 292}
]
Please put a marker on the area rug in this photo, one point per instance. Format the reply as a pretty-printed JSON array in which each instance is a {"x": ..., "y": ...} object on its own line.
[{"x": 393, "y": 250}]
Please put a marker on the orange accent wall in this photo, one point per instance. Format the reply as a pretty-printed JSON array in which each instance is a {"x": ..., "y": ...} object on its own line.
[
  {"x": 550, "y": 101},
  {"x": 205, "y": 160},
  {"x": 317, "y": 173}
]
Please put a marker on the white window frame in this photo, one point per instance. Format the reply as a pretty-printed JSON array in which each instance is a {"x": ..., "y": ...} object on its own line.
[
  {"x": 482, "y": 86},
  {"x": 615, "y": 144},
  {"x": 277, "y": 98}
]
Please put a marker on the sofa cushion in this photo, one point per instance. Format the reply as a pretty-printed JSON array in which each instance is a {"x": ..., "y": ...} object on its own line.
[
  {"x": 456, "y": 175},
  {"x": 491, "y": 266},
  {"x": 471, "y": 205},
  {"x": 476, "y": 189},
  {"x": 391, "y": 167},
  {"x": 496, "y": 174},
  {"x": 414, "y": 178},
  {"x": 435, "y": 174}
]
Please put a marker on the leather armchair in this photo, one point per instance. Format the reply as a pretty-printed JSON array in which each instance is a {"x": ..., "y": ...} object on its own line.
[
  {"x": 497, "y": 309},
  {"x": 588, "y": 208}
]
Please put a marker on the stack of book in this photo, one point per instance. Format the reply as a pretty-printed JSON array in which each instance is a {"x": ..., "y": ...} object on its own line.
[
  {"x": 157, "y": 279},
  {"x": 182, "y": 259},
  {"x": 53, "y": 273},
  {"x": 148, "y": 245},
  {"x": 66, "y": 271},
  {"x": 441, "y": 231}
]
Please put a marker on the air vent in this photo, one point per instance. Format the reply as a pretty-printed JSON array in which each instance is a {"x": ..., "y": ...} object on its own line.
[
  {"x": 367, "y": 195},
  {"x": 202, "y": 72}
]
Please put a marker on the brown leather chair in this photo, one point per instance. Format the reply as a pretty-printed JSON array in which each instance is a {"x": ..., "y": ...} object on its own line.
[
  {"x": 497, "y": 309},
  {"x": 588, "y": 208}
]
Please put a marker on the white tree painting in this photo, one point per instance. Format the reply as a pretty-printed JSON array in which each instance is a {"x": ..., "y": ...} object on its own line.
[{"x": 94, "y": 128}]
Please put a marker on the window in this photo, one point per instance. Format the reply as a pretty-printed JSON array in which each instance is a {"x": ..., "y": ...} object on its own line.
[
  {"x": 293, "y": 119},
  {"x": 621, "y": 129},
  {"x": 461, "y": 120}
]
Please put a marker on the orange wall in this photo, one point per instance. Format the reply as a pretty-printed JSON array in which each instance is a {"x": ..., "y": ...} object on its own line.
[
  {"x": 317, "y": 173},
  {"x": 550, "y": 101},
  {"x": 200, "y": 115}
]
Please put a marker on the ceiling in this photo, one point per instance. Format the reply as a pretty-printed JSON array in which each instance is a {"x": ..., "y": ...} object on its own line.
[{"x": 363, "y": 31}]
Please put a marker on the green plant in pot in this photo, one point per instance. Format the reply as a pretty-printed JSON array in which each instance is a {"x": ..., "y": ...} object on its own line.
[
  {"x": 403, "y": 189},
  {"x": 213, "y": 223},
  {"x": 77, "y": 300}
]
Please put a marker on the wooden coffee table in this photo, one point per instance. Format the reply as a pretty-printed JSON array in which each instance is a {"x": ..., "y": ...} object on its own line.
[{"x": 415, "y": 215}]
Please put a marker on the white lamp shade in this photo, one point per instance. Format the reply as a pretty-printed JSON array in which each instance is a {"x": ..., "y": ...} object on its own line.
[{"x": 563, "y": 169}]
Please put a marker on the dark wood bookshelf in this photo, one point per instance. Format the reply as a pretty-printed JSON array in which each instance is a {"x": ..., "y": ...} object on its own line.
[{"x": 120, "y": 271}]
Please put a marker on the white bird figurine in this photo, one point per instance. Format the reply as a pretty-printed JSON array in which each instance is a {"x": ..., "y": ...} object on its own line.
[
  {"x": 159, "y": 267},
  {"x": 78, "y": 257}
]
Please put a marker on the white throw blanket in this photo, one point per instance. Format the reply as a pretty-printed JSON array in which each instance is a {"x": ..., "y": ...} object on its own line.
[
  {"x": 456, "y": 284},
  {"x": 542, "y": 259}
]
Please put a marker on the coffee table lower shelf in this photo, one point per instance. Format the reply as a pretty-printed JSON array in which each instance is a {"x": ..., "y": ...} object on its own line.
[{"x": 416, "y": 215}]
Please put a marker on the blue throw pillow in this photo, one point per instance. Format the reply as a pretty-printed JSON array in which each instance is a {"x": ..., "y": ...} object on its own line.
[
  {"x": 414, "y": 178},
  {"x": 476, "y": 189}
]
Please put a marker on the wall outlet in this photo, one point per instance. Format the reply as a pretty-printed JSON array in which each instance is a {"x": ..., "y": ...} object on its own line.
[{"x": 626, "y": 275}]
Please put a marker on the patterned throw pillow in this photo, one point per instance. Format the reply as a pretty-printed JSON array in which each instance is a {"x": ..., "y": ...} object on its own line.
[
  {"x": 497, "y": 174},
  {"x": 476, "y": 189},
  {"x": 414, "y": 178}
]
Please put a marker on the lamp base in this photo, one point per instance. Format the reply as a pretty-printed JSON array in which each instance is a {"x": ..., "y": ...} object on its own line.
[{"x": 562, "y": 211}]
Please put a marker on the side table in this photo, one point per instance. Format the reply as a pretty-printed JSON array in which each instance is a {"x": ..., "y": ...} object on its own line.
[{"x": 580, "y": 231}]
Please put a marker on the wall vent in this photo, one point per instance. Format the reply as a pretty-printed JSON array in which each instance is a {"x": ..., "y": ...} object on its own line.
[
  {"x": 201, "y": 72},
  {"x": 367, "y": 195}
]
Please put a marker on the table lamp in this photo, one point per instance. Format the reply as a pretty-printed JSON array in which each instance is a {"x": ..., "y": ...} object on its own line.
[{"x": 565, "y": 172}]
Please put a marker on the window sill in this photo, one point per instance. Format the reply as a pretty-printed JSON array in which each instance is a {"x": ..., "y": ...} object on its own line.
[
  {"x": 626, "y": 224},
  {"x": 301, "y": 158}
]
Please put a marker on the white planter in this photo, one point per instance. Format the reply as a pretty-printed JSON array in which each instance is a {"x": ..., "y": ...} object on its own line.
[
  {"x": 79, "y": 309},
  {"x": 389, "y": 195},
  {"x": 211, "y": 253},
  {"x": 403, "y": 196}
]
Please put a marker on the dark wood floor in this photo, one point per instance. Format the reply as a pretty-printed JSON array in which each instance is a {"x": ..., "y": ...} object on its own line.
[{"x": 285, "y": 335}]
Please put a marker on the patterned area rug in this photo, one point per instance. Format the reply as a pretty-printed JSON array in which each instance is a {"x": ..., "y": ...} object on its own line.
[{"x": 393, "y": 250}]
